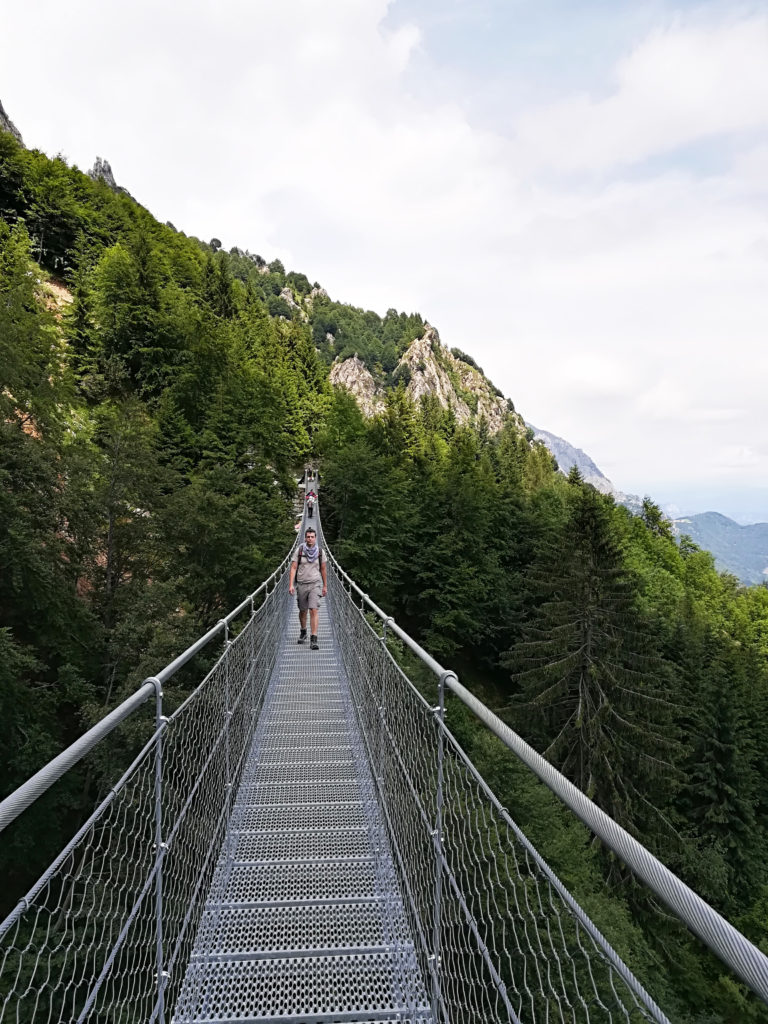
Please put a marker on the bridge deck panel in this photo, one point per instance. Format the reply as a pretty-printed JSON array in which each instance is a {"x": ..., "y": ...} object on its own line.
[
  {"x": 294, "y": 882},
  {"x": 304, "y": 921}
]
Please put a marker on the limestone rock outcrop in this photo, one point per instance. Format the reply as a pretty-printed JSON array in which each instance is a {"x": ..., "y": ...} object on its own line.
[
  {"x": 101, "y": 171},
  {"x": 352, "y": 375},
  {"x": 459, "y": 386},
  {"x": 7, "y": 125},
  {"x": 287, "y": 295},
  {"x": 428, "y": 376},
  {"x": 430, "y": 368},
  {"x": 316, "y": 293}
]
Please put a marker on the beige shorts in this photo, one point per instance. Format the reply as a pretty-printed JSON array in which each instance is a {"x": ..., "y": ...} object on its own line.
[{"x": 308, "y": 595}]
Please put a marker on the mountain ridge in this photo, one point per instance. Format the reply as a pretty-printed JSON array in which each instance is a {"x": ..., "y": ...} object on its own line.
[
  {"x": 6, "y": 124},
  {"x": 568, "y": 456},
  {"x": 427, "y": 367},
  {"x": 369, "y": 355},
  {"x": 740, "y": 550}
]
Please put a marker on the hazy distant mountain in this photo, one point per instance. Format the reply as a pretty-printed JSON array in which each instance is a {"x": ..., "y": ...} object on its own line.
[
  {"x": 741, "y": 550},
  {"x": 568, "y": 456}
]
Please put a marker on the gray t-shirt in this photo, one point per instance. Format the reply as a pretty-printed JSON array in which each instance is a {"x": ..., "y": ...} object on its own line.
[{"x": 309, "y": 572}]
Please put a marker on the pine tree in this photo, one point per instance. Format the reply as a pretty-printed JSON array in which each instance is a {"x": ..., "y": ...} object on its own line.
[
  {"x": 719, "y": 799},
  {"x": 592, "y": 688}
]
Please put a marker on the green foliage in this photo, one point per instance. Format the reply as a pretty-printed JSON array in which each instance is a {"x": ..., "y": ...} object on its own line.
[
  {"x": 29, "y": 345},
  {"x": 458, "y": 354},
  {"x": 593, "y": 688},
  {"x": 148, "y": 437},
  {"x": 378, "y": 342},
  {"x": 298, "y": 283},
  {"x": 636, "y": 668},
  {"x": 149, "y": 431}
]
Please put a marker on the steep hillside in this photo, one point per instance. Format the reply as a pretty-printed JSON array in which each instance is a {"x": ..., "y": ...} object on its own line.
[
  {"x": 6, "y": 124},
  {"x": 568, "y": 456},
  {"x": 741, "y": 550},
  {"x": 428, "y": 368},
  {"x": 157, "y": 395}
]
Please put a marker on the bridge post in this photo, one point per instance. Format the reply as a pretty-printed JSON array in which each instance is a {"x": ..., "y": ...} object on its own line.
[
  {"x": 227, "y": 721},
  {"x": 437, "y": 836},
  {"x": 381, "y": 706},
  {"x": 252, "y": 660},
  {"x": 160, "y": 847}
]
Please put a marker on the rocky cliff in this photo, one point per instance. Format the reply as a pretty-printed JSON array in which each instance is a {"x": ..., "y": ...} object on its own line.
[
  {"x": 102, "y": 171},
  {"x": 430, "y": 368},
  {"x": 7, "y": 125},
  {"x": 352, "y": 375},
  {"x": 429, "y": 374}
]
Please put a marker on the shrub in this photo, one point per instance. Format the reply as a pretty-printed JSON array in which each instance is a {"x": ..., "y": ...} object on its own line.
[{"x": 464, "y": 358}]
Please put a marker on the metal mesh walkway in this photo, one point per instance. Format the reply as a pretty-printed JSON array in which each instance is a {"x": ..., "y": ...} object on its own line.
[
  {"x": 304, "y": 920},
  {"x": 248, "y": 866}
]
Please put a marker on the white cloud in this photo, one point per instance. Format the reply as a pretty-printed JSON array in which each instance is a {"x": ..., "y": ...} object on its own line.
[
  {"x": 626, "y": 313},
  {"x": 669, "y": 399},
  {"x": 738, "y": 456},
  {"x": 682, "y": 84}
]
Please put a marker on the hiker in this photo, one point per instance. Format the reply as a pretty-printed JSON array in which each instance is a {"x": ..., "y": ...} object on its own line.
[
  {"x": 310, "y": 508},
  {"x": 309, "y": 573}
]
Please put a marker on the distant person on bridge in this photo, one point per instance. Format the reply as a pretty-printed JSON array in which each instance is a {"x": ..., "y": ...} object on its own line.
[{"x": 309, "y": 574}]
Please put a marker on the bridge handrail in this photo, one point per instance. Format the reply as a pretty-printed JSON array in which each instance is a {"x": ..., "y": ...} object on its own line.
[
  {"x": 31, "y": 790},
  {"x": 747, "y": 962}
]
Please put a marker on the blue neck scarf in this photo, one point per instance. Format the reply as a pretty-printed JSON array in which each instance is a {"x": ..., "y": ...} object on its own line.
[{"x": 310, "y": 553}]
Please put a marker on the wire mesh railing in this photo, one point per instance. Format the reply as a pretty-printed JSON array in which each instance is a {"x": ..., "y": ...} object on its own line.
[
  {"x": 498, "y": 936},
  {"x": 106, "y": 933}
]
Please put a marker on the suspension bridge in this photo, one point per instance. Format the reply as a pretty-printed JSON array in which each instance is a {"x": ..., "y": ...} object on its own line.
[{"x": 302, "y": 839}]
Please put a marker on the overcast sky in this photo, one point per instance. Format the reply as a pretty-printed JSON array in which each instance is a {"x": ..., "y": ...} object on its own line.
[{"x": 574, "y": 193}]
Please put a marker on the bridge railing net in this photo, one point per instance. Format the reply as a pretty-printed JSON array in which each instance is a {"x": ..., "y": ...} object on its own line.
[
  {"x": 498, "y": 938},
  {"x": 107, "y": 932}
]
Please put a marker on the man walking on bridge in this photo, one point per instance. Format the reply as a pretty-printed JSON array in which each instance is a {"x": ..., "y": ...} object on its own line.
[{"x": 309, "y": 572}]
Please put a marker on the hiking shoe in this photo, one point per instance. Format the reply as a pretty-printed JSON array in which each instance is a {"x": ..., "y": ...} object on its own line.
[
  {"x": 313, "y": 644},
  {"x": 302, "y": 637}
]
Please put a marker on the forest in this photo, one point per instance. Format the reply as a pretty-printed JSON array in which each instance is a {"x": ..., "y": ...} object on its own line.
[{"x": 158, "y": 398}]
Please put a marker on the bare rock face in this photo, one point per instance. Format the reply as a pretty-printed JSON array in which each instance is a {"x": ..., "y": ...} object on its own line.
[
  {"x": 429, "y": 377},
  {"x": 7, "y": 125},
  {"x": 458, "y": 385},
  {"x": 432, "y": 370},
  {"x": 492, "y": 407},
  {"x": 315, "y": 294},
  {"x": 287, "y": 295},
  {"x": 101, "y": 171},
  {"x": 352, "y": 375}
]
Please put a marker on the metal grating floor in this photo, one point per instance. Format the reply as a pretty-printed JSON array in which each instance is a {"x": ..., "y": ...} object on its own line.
[{"x": 304, "y": 921}]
